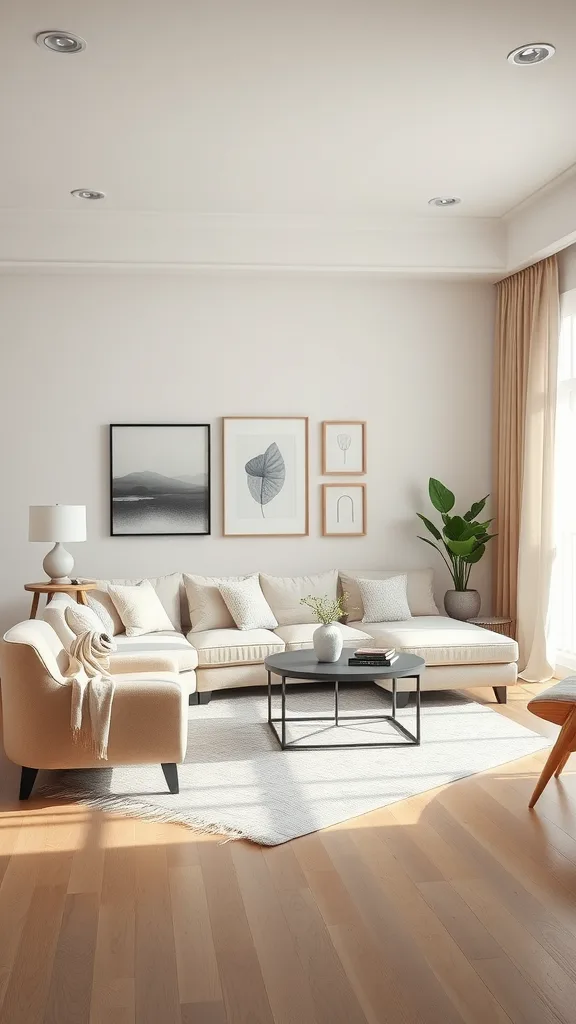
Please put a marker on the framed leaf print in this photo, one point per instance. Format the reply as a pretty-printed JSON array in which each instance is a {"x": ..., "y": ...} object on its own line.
[
  {"x": 265, "y": 476},
  {"x": 343, "y": 448}
]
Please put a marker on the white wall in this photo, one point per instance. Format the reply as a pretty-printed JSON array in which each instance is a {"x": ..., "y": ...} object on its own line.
[{"x": 82, "y": 349}]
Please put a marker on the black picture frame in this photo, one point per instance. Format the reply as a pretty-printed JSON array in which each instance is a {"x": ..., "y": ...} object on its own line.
[{"x": 176, "y": 498}]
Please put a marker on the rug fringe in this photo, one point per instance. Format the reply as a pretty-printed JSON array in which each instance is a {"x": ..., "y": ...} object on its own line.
[{"x": 150, "y": 812}]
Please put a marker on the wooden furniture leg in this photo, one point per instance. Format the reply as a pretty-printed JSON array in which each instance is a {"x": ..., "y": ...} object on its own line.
[
  {"x": 558, "y": 755},
  {"x": 562, "y": 764},
  {"x": 81, "y": 597},
  {"x": 34, "y": 608}
]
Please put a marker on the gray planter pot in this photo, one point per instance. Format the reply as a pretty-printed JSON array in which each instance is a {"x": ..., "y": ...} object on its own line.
[
  {"x": 462, "y": 604},
  {"x": 328, "y": 642}
]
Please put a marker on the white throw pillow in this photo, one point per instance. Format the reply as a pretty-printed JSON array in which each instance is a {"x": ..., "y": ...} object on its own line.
[
  {"x": 81, "y": 619},
  {"x": 167, "y": 587},
  {"x": 247, "y": 604},
  {"x": 140, "y": 609},
  {"x": 207, "y": 607},
  {"x": 284, "y": 594},
  {"x": 385, "y": 600},
  {"x": 419, "y": 589}
]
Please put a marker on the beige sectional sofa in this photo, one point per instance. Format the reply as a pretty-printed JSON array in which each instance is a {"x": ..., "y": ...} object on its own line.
[{"x": 212, "y": 654}]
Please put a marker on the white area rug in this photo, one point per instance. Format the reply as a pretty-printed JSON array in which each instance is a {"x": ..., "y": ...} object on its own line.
[{"x": 237, "y": 781}]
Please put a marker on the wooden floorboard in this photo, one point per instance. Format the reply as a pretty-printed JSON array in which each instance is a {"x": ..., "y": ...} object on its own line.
[{"x": 457, "y": 906}]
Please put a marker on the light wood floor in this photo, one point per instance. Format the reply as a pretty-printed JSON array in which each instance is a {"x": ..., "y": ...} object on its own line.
[{"x": 457, "y": 905}]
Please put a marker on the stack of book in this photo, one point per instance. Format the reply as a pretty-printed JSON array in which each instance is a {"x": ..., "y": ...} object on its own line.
[{"x": 374, "y": 656}]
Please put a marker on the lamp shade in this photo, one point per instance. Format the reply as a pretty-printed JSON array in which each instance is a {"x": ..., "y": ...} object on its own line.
[{"x": 57, "y": 522}]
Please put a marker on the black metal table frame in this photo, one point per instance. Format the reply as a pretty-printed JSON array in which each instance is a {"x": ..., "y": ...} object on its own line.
[{"x": 412, "y": 739}]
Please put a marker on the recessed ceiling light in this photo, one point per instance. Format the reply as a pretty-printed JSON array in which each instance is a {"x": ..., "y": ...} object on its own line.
[
  {"x": 87, "y": 193},
  {"x": 444, "y": 201},
  {"x": 531, "y": 53},
  {"x": 61, "y": 42}
]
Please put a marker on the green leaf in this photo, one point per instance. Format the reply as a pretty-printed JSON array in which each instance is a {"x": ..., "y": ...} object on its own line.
[
  {"x": 476, "y": 509},
  {"x": 442, "y": 499},
  {"x": 461, "y": 547},
  {"x": 430, "y": 526},
  {"x": 475, "y": 555},
  {"x": 456, "y": 528}
]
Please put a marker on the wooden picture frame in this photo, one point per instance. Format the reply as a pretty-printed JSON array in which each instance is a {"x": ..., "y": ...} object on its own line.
[
  {"x": 336, "y": 460},
  {"x": 160, "y": 478},
  {"x": 356, "y": 492},
  {"x": 265, "y": 476}
]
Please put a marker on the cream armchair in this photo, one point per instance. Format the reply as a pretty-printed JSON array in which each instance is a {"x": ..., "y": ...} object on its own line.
[{"x": 149, "y": 712}]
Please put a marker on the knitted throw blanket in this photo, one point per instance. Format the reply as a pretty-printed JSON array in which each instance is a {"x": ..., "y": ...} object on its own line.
[{"x": 92, "y": 691}]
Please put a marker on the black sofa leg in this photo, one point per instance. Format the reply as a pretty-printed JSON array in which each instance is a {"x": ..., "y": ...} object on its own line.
[
  {"x": 27, "y": 780},
  {"x": 501, "y": 694},
  {"x": 200, "y": 698},
  {"x": 402, "y": 699},
  {"x": 171, "y": 776}
]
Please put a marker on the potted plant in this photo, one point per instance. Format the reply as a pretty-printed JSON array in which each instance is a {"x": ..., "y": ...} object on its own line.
[
  {"x": 327, "y": 638},
  {"x": 464, "y": 540}
]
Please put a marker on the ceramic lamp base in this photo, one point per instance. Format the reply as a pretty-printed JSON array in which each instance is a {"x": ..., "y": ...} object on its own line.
[{"x": 58, "y": 564}]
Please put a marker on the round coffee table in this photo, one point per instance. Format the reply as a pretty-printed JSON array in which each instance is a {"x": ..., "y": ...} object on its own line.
[{"x": 304, "y": 665}]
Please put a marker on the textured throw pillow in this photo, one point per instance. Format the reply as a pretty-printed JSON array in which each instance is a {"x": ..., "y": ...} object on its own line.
[
  {"x": 140, "y": 609},
  {"x": 102, "y": 604},
  {"x": 207, "y": 607},
  {"x": 81, "y": 619},
  {"x": 284, "y": 594},
  {"x": 247, "y": 604},
  {"x": 419, "y": 589},
  {"x": 384, "y": 600}
]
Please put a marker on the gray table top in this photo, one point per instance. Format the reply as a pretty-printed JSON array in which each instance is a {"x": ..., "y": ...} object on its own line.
[{"x": 304, "y": 665}]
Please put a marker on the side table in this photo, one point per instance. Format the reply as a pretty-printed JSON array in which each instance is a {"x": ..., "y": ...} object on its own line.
[
  {"x": 57, "y": 588},
  {"x": 498, "y": 623}
]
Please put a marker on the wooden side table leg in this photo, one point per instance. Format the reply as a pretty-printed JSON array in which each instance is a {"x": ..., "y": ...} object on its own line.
[
  {"x": 34, "y": 608},
  {"x": 81, "y": 597}
]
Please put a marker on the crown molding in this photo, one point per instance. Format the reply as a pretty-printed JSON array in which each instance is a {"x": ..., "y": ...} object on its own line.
[
  {"x": 104, "y": 238},
  {"x": 543, "y": 225}
]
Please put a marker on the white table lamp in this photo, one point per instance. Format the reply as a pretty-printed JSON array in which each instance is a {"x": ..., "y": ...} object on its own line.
[{"x": 57, "y": 523}]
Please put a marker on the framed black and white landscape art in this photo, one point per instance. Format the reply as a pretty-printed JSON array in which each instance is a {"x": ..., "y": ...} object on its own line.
[
  {"x": 159, "y": 479},
  {"x": 265, "y": 476}
]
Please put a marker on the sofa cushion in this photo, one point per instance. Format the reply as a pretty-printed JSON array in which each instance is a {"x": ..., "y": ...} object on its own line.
[
  {"x": 234, "y": 646},
  {"x": 54, "y": 615},
  {"x": 170, "y": 643},
  {"x": 443, "y": 641},
  {"x": 418, "y": 589},
  {"x": 300, "y": 635},
  {"x": 284, "y": 594}
]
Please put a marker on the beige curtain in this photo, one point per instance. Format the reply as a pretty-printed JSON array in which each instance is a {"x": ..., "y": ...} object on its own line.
[{"x": 526, "y": 356}]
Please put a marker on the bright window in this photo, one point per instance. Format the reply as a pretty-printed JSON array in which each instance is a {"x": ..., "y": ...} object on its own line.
[{"x": 563, "y": 609}]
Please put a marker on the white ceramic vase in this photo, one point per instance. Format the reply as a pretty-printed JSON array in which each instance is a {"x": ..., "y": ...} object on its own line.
[{"x": 328, "y": 642}]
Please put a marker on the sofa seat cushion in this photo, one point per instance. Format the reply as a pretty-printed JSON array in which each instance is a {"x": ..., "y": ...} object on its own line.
[
  {"x": 234, "y": 646},
  {"x": 171, "y": 643},
  {"x": 300, "y": 636},
  {"x": 444, "y": 641}
]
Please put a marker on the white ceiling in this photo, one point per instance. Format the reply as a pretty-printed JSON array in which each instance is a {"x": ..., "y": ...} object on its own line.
[{"x": 276, "y": 108}]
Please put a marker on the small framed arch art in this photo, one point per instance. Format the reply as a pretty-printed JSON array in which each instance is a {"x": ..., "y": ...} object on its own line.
[{"x": 344, "y": 510}]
